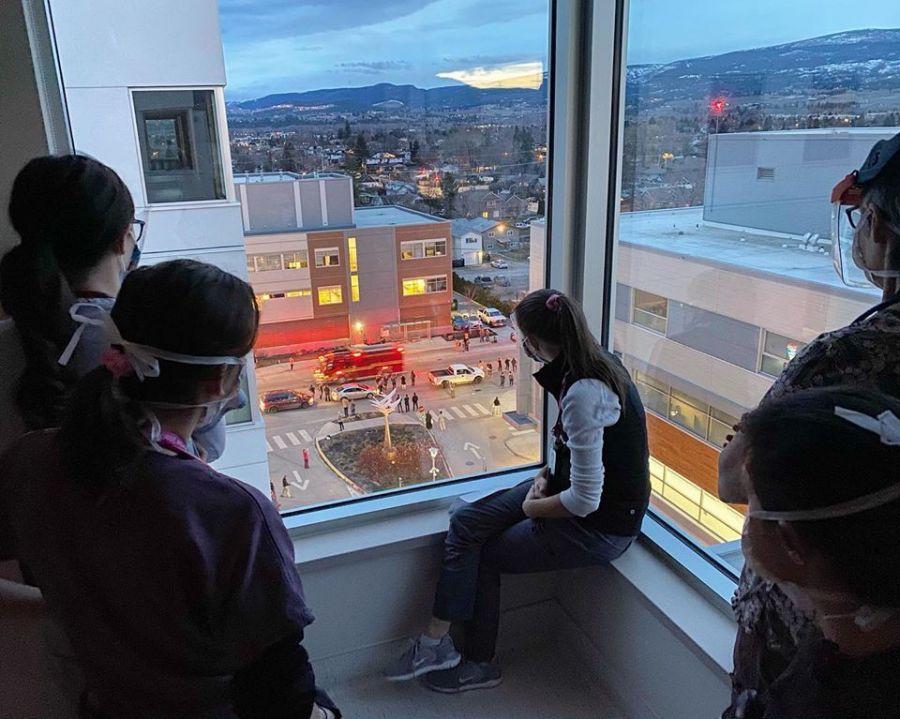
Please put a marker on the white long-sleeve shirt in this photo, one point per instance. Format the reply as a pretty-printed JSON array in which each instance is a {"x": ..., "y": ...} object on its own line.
[{"x": 588, "y": 407}]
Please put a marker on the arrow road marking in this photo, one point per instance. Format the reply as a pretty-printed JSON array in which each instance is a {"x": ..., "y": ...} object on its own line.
[{"x": 301, "y": 484}]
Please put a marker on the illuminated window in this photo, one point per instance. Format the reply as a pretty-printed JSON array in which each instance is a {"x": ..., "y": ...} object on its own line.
[
  {"x": 419, "y": 249},
  {"x": 354, "y": 288},
  {"x": 327, "y": 257},
  {"x": 777, "y": 352},
  {"x": 650, "y": 311},
  {"x": 298, "y": 260},
  {"x": 267, "y": 263},
  {"x": 351, "y": 252},
  {"x": 424, "y": 285},
  {"x": 298, "y": 293},
  {"x": 331, "y": 295}
]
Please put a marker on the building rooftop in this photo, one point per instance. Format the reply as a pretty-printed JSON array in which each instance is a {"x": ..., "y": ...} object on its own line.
[
  {"x": 386, "y": 215},
  {"x": 682, "y": 232},
  {"x": 476, "y": 224},
  {"x": 814, "y": 131},
  {"x": 252, "y": 177}
]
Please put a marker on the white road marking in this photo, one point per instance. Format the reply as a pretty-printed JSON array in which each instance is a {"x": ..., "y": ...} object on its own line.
[
  {"x": 459, "y": 413},
  {"x": 293, "y": 437},
  {"x": 279, "y": 441},
  {"x": 470, "y": 410},
  {"x": 268, "y": 447},
  {"x": 301, "y": 484},
  {"x": 303, "y": 433},
  {"x": 481, "y": 408}
]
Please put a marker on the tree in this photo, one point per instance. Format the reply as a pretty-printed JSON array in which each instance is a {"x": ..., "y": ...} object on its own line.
[
  {"x": 449, "y": 189},
  {"x": 414, "y": 152},
  {"x": 387, "y": 405},
  {"x": 361, "y": 150},
  {"x": 288, "y": 157}
]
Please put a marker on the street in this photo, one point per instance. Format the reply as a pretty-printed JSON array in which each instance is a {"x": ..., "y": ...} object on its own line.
[{"x": 474, "y": 440}]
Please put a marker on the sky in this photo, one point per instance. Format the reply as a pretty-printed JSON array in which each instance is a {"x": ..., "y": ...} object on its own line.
[{"x": 297, "y": 45}]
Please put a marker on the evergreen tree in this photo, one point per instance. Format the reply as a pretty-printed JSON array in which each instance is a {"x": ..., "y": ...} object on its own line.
[
  {"x": 361, "y": 149},
  {"x": 449, "y": 189},
  {"x": 414, "y": 152}
]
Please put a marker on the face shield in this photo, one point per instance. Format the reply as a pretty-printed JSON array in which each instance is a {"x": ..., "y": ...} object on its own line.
[{"x": 846, "y": 216}]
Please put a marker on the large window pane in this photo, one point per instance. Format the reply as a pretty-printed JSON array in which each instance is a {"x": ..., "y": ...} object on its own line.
[
  {"x": 386, "y": 191},
  {"x": 180, "y": 153},
  {"x": 735, "y": 131}
]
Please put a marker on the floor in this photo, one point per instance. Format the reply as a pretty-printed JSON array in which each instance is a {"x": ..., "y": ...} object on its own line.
[{"x": 537, "y": 684}]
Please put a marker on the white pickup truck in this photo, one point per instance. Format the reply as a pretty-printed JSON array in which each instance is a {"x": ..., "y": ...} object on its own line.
[{"x": 456, "y": 374}]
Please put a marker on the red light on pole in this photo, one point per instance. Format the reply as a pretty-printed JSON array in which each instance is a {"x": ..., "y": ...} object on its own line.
[{"x": 717, "y": 105}]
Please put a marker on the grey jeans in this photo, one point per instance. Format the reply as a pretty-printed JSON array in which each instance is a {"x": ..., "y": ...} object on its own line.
[{"x": 493, "y": 537}]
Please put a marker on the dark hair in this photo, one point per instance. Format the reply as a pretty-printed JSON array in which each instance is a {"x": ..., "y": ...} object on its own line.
[
  {"x": 69, "y": 212},
  {"x": 801, "y": 455},
  {"x": 563, "y": 324},
  {"x": 181, "y": 306},
  {"x": 883, "y": 191}
]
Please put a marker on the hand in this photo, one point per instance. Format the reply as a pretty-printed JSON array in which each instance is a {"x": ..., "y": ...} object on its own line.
[
  {"x": 541, "y": 482},
  {"x": 529, "y": 506}
]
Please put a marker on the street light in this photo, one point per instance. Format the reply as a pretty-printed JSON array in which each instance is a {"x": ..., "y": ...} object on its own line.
[{"x": 433, "y": 451}]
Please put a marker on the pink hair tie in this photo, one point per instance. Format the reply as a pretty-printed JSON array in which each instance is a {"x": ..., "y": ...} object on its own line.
[
  {"x": 116, "y": 362},
  {"x": 552, "y": 302}
]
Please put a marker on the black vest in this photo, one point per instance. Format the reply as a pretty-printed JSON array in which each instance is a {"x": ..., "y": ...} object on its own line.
[{"x": 626, "y": 457}]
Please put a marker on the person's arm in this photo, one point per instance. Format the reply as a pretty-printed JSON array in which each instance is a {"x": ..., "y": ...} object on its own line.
[{"x": 587, "y": 409}]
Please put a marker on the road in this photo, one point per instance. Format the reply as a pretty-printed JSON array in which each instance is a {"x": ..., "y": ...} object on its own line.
[
  {"x": 473, "y": 441},
  {"x": 516, "y": 273}
]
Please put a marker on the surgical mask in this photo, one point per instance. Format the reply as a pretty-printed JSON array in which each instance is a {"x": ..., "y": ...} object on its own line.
[
  {"x": 532, "y": 354},
  {"x": 868, "y": 618},
  {"x": 134, "y": 260},
  {"x": 846, "y": 248}
]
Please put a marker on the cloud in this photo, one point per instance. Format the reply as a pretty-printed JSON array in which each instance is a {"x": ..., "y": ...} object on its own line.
[
  {"x": 374, "y": 68},
  {"x": 519, "y": 74},
  {"x": 256, "y": 20}
]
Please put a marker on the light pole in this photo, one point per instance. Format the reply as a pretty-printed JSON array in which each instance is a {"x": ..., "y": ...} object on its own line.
[{"x": 433, "y": 451}]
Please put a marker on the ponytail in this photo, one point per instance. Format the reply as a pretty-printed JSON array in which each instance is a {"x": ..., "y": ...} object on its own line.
[
  {"x": 69, "y": 211},
  {"x": 557, "y": 319},
  {"x": 101, "y": 437}
]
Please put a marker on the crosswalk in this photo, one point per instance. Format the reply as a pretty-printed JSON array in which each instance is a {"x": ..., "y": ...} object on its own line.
[{"x": 298, "y": 437}]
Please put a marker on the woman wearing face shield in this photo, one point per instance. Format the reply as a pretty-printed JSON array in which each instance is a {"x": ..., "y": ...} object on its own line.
[
  {"x": 863, "y": 354},
  {"x": 830, "y": 544},
  {"x": 175, "y": 584},
  {"x": 585, "y": 509}
]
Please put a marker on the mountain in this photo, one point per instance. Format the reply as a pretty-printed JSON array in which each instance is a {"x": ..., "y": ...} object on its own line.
[
  {"x": 860, "y": 60},
  {"x": 386, "y": 95}
]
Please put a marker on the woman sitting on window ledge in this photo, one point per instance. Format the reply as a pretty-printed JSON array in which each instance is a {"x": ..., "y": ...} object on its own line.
[{"x": 585, "y": 510}]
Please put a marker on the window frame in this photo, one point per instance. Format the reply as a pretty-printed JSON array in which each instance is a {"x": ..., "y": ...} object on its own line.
[
  {"x": 635, "y": 310},
  {"x": 763, "y": 354},
  {"x": 424, "y": 245},
  {"x": 329, "y": 288},
  {"x": 221, "y": 160},
  {"x": 337, "y": 252}
]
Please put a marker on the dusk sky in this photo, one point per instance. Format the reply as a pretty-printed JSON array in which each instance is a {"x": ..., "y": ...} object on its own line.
[{"x": 296, "y": 45}]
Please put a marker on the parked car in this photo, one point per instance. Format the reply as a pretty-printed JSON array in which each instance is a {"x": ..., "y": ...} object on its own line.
[
  {"x": 492, "y": 317},
  {"x": 501, "y": 281},
  {"x": 278, "y": 400},
  {"x": 483, "y": 280},
  {"x": 500, "y": 264},
  {"x": 460, "y": 323},
  {"x": 456, "y": 374},
  {"x": 458, "y": 263},
  {"x": 355, "y": 390},
  {"x": 522, "y": 225}
]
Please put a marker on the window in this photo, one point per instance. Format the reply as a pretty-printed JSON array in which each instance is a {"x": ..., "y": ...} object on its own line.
[
  {"x": 777, "y": 352},
  {"x": 716, "y": 172},
  {"x": 419, "y": 249},
  {"x": 354, "y": 288},
  {"x": 268, "y": 263},
  {"x": 330, "y": 295},
  {"x": 424, "y": 285},
  {"x": 296, "y": 260},
  {"x": 351, "y": 254},
  {"x": 471, "y": 240},
  {"x": 244, "y": 414},
  {"x": 179, "y": 145},
  {"x": 327, "y": 257},
  {"x": 266, "y": 296},
  {"x": 298, "y": 293},
  {"x": 650, "y": 311}
]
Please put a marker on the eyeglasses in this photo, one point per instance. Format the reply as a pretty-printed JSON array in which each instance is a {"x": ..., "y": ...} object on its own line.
[
  {"x": 855, "y": 216},
  {"x": 137, "y": 229}
]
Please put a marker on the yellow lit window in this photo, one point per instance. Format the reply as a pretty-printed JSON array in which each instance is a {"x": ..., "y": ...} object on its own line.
[
  {"x": 354, "y": 288},
  {"x": 414, "y": 287},
  {"x": 351, "y": 245},
  {"x": 262, "y": 298},
  {"x": 330, "y": 295},
  {"x": 298, "y": 293}
]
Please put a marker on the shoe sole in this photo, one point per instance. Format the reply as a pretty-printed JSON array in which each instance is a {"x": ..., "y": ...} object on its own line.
[
  {"x": 490, "y": 684},
  {"x": 427, "y": 669}
]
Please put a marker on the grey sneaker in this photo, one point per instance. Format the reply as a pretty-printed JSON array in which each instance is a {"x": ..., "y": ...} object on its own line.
[
  {"x": 420, "y": 658},
  {"x": 467, "y": 675}
]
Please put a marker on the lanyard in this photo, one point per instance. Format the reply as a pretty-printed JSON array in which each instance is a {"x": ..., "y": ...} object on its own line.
[
  {"x": 889, "y": 302},
  {"x": 558, "y": 432}
]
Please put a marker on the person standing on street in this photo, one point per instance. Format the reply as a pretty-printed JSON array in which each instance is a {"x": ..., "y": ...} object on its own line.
[
  {"x": 406, "y": 403},
  {"x": 415, "y": 401},
  {"x": 305, "y": 458},
  {"x": 515, "y": 364},
  {"x": 286, "y": 488},
  {"x": 345, "y": 403},
  {"x": 353, "y": 408},
  {"x": 412, "y": 377},
  {"x": 507, "y": 364},
  {"x": 502, "y": 378},
  {"x": 511, "y": 380},
  {"x": 428, "y": 420},
  {"x": 495, "y": 408},
  {"x": 402, "y": 381},
  {"x": 340, "y": 423},
  {"x": 442, "y": 420}
]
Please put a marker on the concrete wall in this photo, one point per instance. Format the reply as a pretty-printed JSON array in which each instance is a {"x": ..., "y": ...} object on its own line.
[
  {"x": 806, "y": 165},
  {"x": 379, "y": 295}
]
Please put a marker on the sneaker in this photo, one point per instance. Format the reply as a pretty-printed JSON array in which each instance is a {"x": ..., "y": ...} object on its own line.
[
  {"x": 467, "y": 675},
  {"x": 421, "y": 658}
]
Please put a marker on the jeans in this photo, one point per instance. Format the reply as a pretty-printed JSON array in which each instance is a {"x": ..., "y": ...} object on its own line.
[{"x": 493, "y": 537}]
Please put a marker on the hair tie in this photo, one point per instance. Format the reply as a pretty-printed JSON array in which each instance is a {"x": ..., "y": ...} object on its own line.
[
  {"x": 553, "y": 303},
  {"x": 116, "y": 362}
]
